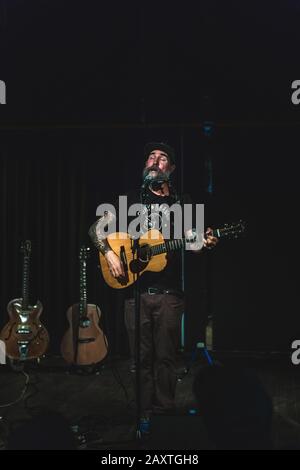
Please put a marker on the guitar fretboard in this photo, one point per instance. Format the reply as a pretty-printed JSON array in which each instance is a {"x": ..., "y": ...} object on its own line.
[
  {"x": 170, "y": 245},
  {"x": 83, "y": 289},
  {"x": 25, "y": 289},
  {"x": 173, "y": 245}
]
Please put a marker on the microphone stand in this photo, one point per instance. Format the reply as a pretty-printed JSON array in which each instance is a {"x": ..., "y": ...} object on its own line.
[
  {"x": 137, "y": 302},
  {"x": 137, "y": 298}
]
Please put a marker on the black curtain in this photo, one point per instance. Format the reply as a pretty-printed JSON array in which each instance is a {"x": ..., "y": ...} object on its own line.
[
  {"x": 51, "y": 184},
  {"x": 53, "y": 180},
  {"x": 49, "y": 196}
]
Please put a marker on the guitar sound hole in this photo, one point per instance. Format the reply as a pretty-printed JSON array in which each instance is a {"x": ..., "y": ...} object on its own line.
[
  {"x": 144, "y": 253},
  {"x": 85, "y": 322}
]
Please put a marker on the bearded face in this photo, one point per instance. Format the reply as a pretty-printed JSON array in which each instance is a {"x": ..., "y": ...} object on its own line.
[
  {"x": 154, "y": 174},
  {"x": 157, "y": 167}
]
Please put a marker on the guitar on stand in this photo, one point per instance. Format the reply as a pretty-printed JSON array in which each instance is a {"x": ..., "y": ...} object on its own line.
[
  {"x": 84, "y": 343},
  {"x": 24, "y": 335}
]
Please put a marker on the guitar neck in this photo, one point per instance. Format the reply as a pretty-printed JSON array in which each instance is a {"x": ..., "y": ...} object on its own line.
[
  {"x": 83, "y": 289},
  {"x": 177, "y": 244},
  {"x": 25, "y": 283},
  {"x": 167, "y": 246}
]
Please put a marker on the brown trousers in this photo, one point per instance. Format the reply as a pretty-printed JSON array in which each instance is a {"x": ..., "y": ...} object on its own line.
[{"x": 160, "y": 340}]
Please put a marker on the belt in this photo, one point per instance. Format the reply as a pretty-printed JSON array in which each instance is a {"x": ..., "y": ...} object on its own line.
[{"x": 155, "y": 290}]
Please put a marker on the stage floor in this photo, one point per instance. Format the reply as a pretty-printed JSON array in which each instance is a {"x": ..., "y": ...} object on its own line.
[{"x": 100, "y": 406}]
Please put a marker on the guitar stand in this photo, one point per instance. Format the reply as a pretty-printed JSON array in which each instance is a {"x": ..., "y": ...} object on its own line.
[
  {"x": 19, "y": 365},
  {"x": 15, "y": 365}
]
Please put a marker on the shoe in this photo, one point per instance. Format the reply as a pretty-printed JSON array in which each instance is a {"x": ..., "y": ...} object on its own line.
[{"x": 132, "y": 367}]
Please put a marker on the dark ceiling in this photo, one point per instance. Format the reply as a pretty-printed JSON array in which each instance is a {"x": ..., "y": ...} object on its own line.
[{"x": 136, "y": 61}]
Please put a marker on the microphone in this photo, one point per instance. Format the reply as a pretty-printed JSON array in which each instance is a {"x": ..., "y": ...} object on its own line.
[
  {"x": 147, "y": 180},
  {"x": 155, "y": 182}
]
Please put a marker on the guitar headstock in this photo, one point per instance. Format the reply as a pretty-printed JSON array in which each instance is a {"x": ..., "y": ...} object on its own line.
[
  {"x": 84, "y": 253},
  {"x": 232, "y": 230},
  {"x": 26, "y": 248}
]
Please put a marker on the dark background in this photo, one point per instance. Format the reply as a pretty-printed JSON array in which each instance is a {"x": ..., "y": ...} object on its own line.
[{"x": 88, "y": 83}]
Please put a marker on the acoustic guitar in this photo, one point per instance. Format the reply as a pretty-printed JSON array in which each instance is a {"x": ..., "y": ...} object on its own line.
[
  {"x": 153, "y": 249},
  {"x": 84, "y": 343},
  {"x": 24, "y": 335}
]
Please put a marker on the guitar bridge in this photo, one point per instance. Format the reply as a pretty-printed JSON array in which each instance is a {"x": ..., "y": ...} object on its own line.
[
  {"x": 86, "y": 340},
  {"x": 123, "y": 258}
]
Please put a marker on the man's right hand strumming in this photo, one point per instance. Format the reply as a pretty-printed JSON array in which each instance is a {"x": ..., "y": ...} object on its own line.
[{"x": 114, "y": 264}]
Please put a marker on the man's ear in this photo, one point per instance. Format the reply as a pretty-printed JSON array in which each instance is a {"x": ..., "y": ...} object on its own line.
[{"x": 172, "y": 168}]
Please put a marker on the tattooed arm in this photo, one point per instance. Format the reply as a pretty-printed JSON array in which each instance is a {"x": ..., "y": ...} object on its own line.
[{"x": 99, "y": 239}]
